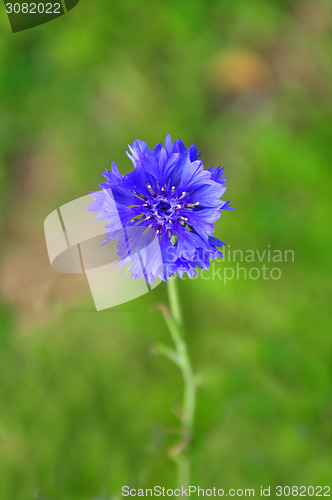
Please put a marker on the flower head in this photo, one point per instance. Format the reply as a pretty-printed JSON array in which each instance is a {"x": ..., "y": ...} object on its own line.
[{"x": 162, "y": 213}]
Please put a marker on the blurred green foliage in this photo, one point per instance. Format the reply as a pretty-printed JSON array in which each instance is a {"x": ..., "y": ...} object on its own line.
[{"x": 84, "y": 407}]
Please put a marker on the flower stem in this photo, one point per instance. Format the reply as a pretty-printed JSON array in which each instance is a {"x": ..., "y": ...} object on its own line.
[
  {"x": 174, "y": 323},
  {"x": 174, "y": 301}
]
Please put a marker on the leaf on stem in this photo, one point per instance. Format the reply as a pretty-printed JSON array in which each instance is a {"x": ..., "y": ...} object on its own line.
[{"x": 167, "y": 352}]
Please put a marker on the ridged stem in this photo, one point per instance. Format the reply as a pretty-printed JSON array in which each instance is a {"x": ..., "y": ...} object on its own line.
[{"x": 175, "y": 326}]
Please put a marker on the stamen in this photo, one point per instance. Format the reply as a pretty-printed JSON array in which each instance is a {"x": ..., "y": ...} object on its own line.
[
  {"x": 151, "y": 189},
  {"x": 139, "y": 219},
  {"x": 182, "y": 195},
  {"x": 140, "y": 195},
  {"x": 192, "y": 205},
  {"x": 184, "y": 218},
  {"x": 169, "y": 234}
]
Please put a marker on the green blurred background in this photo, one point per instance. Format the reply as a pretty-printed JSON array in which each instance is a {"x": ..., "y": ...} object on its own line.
[{"x": 84, "y": 407}]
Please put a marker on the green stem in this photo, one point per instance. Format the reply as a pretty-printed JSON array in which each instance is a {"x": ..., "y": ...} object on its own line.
[
  {"x": 174, "y": 301},
  {"x": 174, "y": 323}
]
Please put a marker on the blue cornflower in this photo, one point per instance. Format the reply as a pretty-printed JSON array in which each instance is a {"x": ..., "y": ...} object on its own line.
[{"x": 162, "y": 213}]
